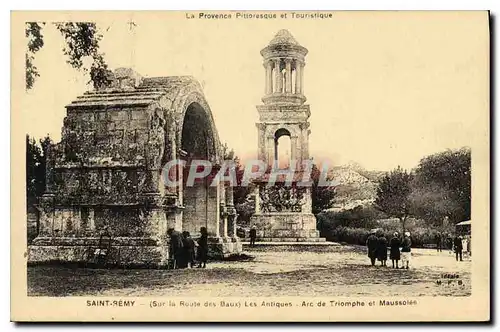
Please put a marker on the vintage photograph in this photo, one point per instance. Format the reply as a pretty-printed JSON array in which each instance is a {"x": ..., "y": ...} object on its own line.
[{"x": 276, "y": 155}]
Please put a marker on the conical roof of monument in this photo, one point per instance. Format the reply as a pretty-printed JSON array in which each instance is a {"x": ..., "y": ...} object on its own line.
[{"x": 283, "y": 37}]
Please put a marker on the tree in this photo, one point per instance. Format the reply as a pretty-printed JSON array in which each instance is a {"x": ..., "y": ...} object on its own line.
[
  {"x": 82, "y": 41},
  {"x": 35, "y": 168},
  {"x": 393, "y": 195},
  {"x": 443, "y": 184},
  {"x": 35, "y": 43},
  {"x": 322, "y": 196},
  {"x": 241, "y": 193},
  {"x": 432, "y": 204}
]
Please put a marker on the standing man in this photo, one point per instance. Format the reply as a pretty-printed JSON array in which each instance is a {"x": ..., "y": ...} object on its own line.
[
  {"x": 457, "y": 243},
  {"x": 253, "y": 236},
  {"x": 439, "y": 240},
  {"x": 203, "y": 248},
  {"x": 372, "y": 244},
  {"x": 175, "y": 248}
]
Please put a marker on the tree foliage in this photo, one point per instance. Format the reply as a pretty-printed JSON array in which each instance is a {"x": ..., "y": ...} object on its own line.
[
  {"x": 439, "y": 187},
  {"x": 33, "y": 33},
  {"x": 35, "y": 167},
  {"x": 240, "y": 192},
  {"x": 393, "y": 194},
  {"x": 322, "y": 196},
  {"x": 442, "y": 186},
  {"x": 81, "y": 41}
]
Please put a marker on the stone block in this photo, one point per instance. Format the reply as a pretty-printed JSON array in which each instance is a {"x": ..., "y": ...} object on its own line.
[
  {"x": 119, "y": 255},
  {"x": 289, "y": 239},
  {"x": 281, "y": 227}
]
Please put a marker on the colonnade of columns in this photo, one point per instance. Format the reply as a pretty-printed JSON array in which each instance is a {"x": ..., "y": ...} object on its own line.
[{"x": 284, "y": 76}]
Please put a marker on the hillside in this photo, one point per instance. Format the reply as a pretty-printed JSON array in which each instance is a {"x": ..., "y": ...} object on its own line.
[{"x": 354, "y": 189}]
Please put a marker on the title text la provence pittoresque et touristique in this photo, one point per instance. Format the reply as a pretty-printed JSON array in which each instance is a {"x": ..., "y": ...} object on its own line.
[{"x": 241, "y": 15}]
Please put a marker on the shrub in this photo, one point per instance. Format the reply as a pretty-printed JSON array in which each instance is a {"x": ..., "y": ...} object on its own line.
[
  {"x": 419, "y": 236},
  {"x": 359, "y": 217}
]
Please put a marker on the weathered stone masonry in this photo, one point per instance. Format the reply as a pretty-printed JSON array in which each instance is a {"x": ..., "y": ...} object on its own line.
[
  {"x": 284, "y": 214},
  {"x": 106, "y": 174}
]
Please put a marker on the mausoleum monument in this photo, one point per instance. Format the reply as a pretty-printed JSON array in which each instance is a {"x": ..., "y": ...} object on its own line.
[{"x": 284, "y": 213}]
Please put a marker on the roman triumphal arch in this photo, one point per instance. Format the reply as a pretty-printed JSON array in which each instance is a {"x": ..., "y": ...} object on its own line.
[{"x": 105, "y": 175}]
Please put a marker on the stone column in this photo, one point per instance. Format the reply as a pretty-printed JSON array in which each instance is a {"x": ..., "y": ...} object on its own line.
[
  {"x": 305, "y": 142},
  {"x": 223, "y": 220},
  {"x": 279, "y": 76},
  {"x": 180, "y": 188},
  {"x": 213, "y": 222},
  {"x": 223, "y": 210},
  {"x": 302, "y": 78},
  {"x": 293, "y": 149},
  {"x": 288, "y": 77},
  {"x": 154, "y": 215},
  {"x": 270, "y": 150},
  {"x": 297, "y": 77},
  {"x": 261, "y": 141},
  {"x": 269, "y": 77},
  {"x": 231, "y": 217},
  {"x": 171, "y": 173},
  {"x": 180, "y": 177}
]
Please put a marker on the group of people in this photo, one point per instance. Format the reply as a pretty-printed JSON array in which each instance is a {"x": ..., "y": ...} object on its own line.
[
  {"x": 459, "y": 244},
  {"x": 185, "y": 251},
  {"x": 400, "y": 249}
]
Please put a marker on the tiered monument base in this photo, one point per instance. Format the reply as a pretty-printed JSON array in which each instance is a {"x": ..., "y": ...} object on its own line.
[{"x": 286, "y": 227}]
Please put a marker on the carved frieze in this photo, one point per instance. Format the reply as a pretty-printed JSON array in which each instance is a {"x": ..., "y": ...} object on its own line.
[{"x": 280, "y": 198}]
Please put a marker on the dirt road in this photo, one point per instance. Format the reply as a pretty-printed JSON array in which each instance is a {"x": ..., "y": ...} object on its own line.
[{"x": 325, "y": 271}]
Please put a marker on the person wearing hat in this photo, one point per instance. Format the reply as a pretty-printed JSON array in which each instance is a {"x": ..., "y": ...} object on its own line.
[
  {"x": 203, "y": 248},
  {"x": 395, "y": 254},
  {"x": 439, "y": 240},
  {"x": 253, "y": 236},
  {"x": 457, "y": 243},
  {"x": 372, "y": 244},
  {"x": 406, "y": 251}
]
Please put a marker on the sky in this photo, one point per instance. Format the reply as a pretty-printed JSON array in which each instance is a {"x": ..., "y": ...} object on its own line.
[{"x": 384, "y": 89}]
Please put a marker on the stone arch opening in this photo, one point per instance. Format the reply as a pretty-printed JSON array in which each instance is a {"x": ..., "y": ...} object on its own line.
[
  {"x": 197, "y": 143},
  {"x": 197, "y": 137},
  {"x": 282, "y": 148}
]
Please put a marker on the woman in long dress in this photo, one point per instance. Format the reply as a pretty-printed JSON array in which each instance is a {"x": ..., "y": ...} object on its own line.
[
  {"x": 395, "y": 254},
  {"x": 371, "y": 244},
  {"x": 382, "y": 249}
]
